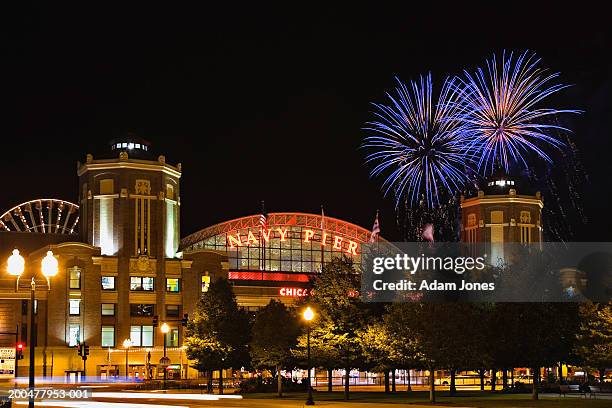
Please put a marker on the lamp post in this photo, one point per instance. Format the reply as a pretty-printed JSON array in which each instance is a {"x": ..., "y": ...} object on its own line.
[
  {"x": 127, "y": 343},
  {"x": 49, "y": 268},
  {"x": 308, "y": 316},
  {"x": 165, "y": 329}
]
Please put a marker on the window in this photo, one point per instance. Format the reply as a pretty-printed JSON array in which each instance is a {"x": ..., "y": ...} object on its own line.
[
  {"x": 205, "y": 283},
  {"x": 107, "y": 186},
  {"x": 172, "y": 338},
  {"x": 141, "y": 310},
  {"x": 108, "y": 309},
  {"x": 74, "y": 274},
  {"x": 172, "y": 311},
  {"x": 108, "y": 283},
  {"x": 142, "y": 336},
  {"x": 173, "y": 285},
  {"x": 141, "y": 283},
  {"x": 108, "y": 336},
  {"x": 74, "y": 307},
  {"x": 74, "y": 334},
  {"x": 143, "y": 216}
]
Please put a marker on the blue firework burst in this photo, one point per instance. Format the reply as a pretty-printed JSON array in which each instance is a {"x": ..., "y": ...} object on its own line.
[{"x": 416, "y": 142}]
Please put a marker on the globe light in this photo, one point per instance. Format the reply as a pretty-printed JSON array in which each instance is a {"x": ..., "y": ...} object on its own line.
[
  {"x": 127, "y": 343},
  {"x": 15, "y": 264},
  {"x": 49, "y": 265},
  {"x": 165, "y": 328},
  {"x": 308, "y": 314}
]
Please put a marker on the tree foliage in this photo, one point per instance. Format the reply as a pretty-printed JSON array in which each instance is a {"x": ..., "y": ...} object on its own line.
[{"x": 218, "y": 335}]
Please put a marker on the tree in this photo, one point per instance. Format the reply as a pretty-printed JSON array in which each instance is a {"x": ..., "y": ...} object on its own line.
[
  {"x": 324, "y": 353},
  {"x": 376, "y": 345},
  {"x": 218, "y": 335},
  {"x": 546, "y": 334},
  {"x": 594, "y": 339},
  {"x": 341, "y": 313},
  {"x": 402, "y": 338},
  {"x": 275, "y": 332}
]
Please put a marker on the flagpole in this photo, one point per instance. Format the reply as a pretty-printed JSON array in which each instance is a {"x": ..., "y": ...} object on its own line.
[{"x": 322, "y": 236}]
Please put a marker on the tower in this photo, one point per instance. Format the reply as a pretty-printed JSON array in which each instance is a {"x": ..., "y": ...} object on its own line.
[
  {"x": 129, "y": 208},
  {"x": 498, "y": 215}
]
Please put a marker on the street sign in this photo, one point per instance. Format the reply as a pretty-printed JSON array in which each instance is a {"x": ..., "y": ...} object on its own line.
[
  {"x": 7, "y": 362},
  {"x": 164, "y": 361}
]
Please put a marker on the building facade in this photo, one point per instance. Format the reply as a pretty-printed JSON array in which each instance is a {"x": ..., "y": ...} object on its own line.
[{"x": 123, "y": 270}]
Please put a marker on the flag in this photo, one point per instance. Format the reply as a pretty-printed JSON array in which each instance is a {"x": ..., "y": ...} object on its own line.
[
  {"x": 428, "y": 232},
  {"x": 375, "y": 230},
  {"x": 263, "y": 217},
  {"x": 263, "y": 225}
]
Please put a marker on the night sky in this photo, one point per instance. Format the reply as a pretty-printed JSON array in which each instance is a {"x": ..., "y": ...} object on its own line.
[{"x": 268, "y": 103}]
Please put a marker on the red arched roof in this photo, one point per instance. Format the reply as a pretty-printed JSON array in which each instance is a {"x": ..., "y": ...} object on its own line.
[{"x": 334, "y": 225}]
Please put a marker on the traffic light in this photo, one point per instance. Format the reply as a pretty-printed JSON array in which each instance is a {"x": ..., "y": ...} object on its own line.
[
  {"x": 19, "y": 351},
  {"x": 155, "y": 320},
  {"x": 79, "y": 349},
  {"x": 85, "y": 349},
  {"x": 184, "y": 319}
]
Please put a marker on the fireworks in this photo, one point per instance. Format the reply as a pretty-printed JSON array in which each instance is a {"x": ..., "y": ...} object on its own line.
[
  {"x": 503, "y": 124},
  {"x": 416, "y": 143}
]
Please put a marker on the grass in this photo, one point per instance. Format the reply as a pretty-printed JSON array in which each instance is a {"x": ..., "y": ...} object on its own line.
[{"x": 462, "y": 399}]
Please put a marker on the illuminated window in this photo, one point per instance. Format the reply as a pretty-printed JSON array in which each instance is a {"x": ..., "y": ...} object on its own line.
[
  {"x": 137, "y": 145},
  {"x": 107, "y": 186},
  {"x": 74, "y": 307},
  {"x": 74, "y": 334},
  {"x": 172, "y": 338},
  {"x": 141, "y": 283},
  {"x": 173, "y": 285},
  {"x": 172, "y": 310},
  {"x": 141, "y": 336},
  {"x": 108, "y": 309},
  {"x": 141, "y": 310},
  {"x": 142, "y": 216},
  {"x": 75, "y": 277},
  {"x": 105, "y": 225},
  {"x": 108, "y": 283},
  {"x": 108, "y": 336},
  {"x": 205, "y": 283},
  {"x": 171, "y": 231}
]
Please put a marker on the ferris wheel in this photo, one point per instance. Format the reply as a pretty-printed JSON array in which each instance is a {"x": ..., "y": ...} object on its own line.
[{"x": 46, "y": 216}]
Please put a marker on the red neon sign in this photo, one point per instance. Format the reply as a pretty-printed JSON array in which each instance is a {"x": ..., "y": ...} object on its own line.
[
  {"x": 293, "y": 292},
  {"x": 338, "y": 243}
]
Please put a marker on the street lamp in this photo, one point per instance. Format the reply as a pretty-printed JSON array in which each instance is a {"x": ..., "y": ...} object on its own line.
[
  {"x": 165, "y": 329},
  {"x": 308, "y": 315},
  {"x": 49, "y": 268},
  {"x": 127, "y": 343}
]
